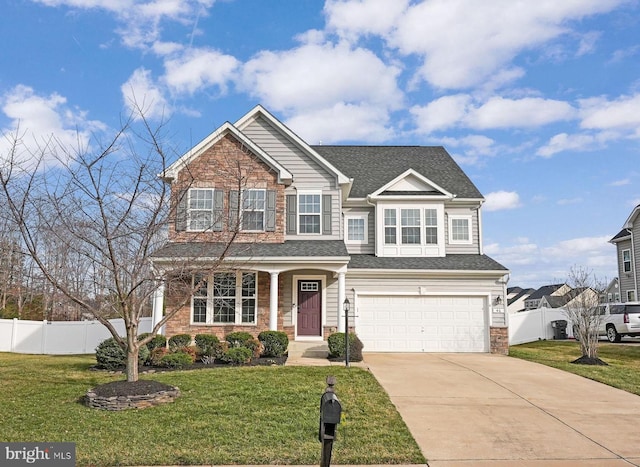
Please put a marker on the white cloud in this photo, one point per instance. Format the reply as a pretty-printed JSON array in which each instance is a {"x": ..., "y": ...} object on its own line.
[
  {"x": 351, "y": 19},
  {"x": 141, "y": 93},
  {"x": 577, "y": 142},
  {"x": 315, "y": 76},
  {"x": 499, "y": 112},
  {"x": 501, "y": 200},
  {"x": 196, "y": 69},
  {"x": 463, "y": 45},
  {"x": 140, "y": 21},
  {"x": 441, "y": 114},
  {"x": 620, "y": 114},
  {"x": 622, "y": 182},
  {"x": 342, "y": 122},
  {"x": 569, "y": 201},
  {"x": 44, "y": 121}
]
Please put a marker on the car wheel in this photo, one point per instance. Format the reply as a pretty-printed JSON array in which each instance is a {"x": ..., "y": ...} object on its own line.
[{"x": 612, "y": 334}]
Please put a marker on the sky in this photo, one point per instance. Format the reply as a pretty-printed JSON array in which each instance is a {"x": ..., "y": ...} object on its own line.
[{"x": 538, "y": 101}]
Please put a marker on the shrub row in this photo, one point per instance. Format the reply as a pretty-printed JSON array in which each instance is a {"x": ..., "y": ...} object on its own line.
[{"x": 177, "y": 352}]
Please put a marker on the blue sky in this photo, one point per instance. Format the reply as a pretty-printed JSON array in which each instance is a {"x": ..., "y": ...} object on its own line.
[{"x": 539, "y": 102}]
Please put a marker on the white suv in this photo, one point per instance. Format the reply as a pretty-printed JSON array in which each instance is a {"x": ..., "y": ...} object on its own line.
[{"x": 620, "y": 319}]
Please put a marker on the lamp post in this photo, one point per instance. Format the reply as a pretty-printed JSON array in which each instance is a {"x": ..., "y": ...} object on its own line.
[{"x": 346, "y": 306}]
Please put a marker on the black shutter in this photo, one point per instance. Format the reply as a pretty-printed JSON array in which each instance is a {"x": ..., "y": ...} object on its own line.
[
  {"x": 292, "y": 214},
  {"x": 326, "y": 214},
  {"x": 181, "y": 210},
  {"x": 270, "y": 211}
]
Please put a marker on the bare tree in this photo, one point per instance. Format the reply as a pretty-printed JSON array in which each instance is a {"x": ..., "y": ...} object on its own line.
[
  {"x": 584, "y": 312},
  {"x": 91, "y": 217}
]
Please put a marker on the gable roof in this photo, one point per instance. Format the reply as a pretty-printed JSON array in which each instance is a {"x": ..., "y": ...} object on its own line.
[
  {"x": 545, "y": 290},
  {"x": 373, "y": 167},
  {"x": 284, "y": 176},
  {"x": 628, "y": 225},
  {"x": 259, "y": 111}
]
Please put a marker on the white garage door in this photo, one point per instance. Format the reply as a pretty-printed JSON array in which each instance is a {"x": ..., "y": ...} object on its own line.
[{"x": 422, "y": 323}]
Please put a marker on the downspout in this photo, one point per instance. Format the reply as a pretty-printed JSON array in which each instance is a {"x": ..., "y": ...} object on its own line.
[
  {"x": 634, "y": 265},
  {"x": 480, "y": 247}
]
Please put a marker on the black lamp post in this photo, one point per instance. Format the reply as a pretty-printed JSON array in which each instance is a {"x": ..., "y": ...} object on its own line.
[{"x": 346, "y": 306}]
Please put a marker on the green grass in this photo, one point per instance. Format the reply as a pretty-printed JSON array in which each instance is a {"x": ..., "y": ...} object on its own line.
[
  {"x": 247, "y": 415},
  {"x": 623, "y": 371}
]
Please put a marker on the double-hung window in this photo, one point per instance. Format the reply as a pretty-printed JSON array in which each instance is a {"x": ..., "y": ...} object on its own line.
[
  {"x": 459, "y": 229},
  {"x": 356, "y": 226},
  {"x": 253, "y": 209},
  {"x": 309, "y": 213},
  {"x": 390, "y": 227},
  {"x": 410, "y": 224},
  {"x": 200, "y": 213},
  {"x": 225, "y": 298},
  {"x": 626, "y": 260},
  {"x": 431, "y": 226}
]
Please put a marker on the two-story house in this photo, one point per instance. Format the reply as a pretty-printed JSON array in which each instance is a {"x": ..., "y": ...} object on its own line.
[
  {"x": 627, "y": 243},
  {"x": 394, "y": 230}
]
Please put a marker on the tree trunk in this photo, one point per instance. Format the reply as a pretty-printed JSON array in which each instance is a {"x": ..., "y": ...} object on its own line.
[{"x": 132, "y": 363}]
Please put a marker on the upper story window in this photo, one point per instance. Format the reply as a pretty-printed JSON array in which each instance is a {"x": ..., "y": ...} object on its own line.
[
  {"x": 309, "y": 213},
  {"x": 203, "y": 210},
  {"x": 253, "y": 209},
  {"x": 225, "y": 298},
  {"x": 459, "y": 229},
  {"x": 631, "y": 295},
  {"x": 626, "y": 260},
  {"x": 356, "y": 229},
  {"x": 431, "y": 226},
  {"x": 412, "y": 221}
]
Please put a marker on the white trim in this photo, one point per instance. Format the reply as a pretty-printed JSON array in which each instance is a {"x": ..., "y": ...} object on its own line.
[
  {"x": 365, "y": 218},
  {"x": 298, "y": 213},
  {"x": 467, "y": 217},
  {"x": 419, "y": 176},
  {"x": 294, "y": 306},
  {"x": 227, "y": 128},
  {"x": 210, "y": 299},
  {"x": 245, "y": 120},
  {"x": 400, "y": 249}
]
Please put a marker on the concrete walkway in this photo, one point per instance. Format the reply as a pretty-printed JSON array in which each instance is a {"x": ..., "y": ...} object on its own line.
[{"x": 488, "y": 410}]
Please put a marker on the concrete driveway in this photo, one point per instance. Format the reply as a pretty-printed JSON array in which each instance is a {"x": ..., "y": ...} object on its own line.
[{"x": 491, "y": 410}]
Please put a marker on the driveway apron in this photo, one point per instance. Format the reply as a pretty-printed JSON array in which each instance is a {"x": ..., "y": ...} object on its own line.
[{"x": 483, "y": 409}]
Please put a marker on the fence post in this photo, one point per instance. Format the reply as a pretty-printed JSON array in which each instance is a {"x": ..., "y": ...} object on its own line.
[{"x": 14, "y": 334}]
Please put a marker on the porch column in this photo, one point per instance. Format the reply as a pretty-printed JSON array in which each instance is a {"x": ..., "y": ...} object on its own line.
[
  {"x": 273, "y": 302},
  {"x": 341, "y": 296},
  {"x": 158, "y": 305}
]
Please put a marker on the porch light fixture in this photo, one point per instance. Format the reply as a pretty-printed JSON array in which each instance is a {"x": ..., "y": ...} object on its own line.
[
  {"x": 498, "y": 300},
  {"x": 346, "y": 305}
]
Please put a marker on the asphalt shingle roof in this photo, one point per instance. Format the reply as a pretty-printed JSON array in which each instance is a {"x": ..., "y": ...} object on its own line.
[
  {"x": 372, "y": 167},
  {"x": 446, "y": 263},
  {"x": 290, "y": 248}
]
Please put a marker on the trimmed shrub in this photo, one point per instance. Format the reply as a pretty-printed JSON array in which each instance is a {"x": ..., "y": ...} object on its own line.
[
  {"x": 191, "y": 351},
  {"x": 206, "y": 343},
  {"x": 337, "y": 350},
  {"x": 179, "y": 340},
  {"x": 176, "y": 360},
  {"x": 158, "y": 341},
  {"x": 110, "y": 356},
  {"x": 244, "y": 339},
  {"x": 275, "y": 343},
  {"x": 237, "y": 355},
  {"x": 156, "y": 356}
]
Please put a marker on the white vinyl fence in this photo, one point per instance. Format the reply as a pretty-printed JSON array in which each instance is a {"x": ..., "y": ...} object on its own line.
[
  {"x": 58, "y": 337},
  {"x": 533, "y": 325}
]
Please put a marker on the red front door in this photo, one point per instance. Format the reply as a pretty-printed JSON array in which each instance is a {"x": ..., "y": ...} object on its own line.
[{"x": 309, "y": 308}]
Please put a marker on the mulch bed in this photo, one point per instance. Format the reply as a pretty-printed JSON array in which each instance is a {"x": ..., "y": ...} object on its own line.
[
  {"x": 584, "y": 360},
  {"x": 135, "y": 388}
]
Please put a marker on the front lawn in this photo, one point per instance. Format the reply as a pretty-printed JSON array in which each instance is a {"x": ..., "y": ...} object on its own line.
[
  {"x": 623, "y": 371},
  {"x": 241, "y": 415}
]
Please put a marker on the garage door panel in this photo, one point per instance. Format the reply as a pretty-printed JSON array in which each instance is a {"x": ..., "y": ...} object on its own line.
[{"x": 422, "y": 323}]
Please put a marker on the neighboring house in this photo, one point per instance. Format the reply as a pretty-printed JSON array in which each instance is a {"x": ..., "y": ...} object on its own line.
[
  {"x": 627, "y": 243},
  {"x": 612, "y": 293},
  {"x": 533, "y": 301},
  {"x": 577, "y": 295},
  {"x": 396, "y": 230},
  {"x": 516, "y": 297}
]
